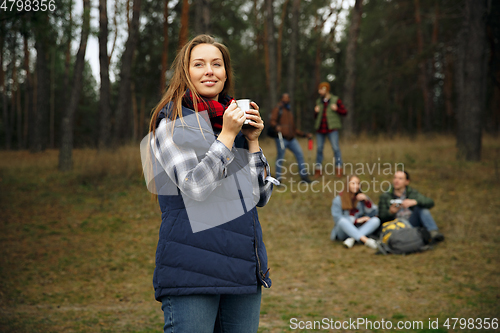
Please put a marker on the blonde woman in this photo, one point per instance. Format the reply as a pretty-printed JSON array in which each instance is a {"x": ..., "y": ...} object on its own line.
[{"x": 209, "y": 279}]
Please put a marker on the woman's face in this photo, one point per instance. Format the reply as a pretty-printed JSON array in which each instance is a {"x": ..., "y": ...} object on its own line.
[
  {"x": 207, "y": 71},
  {"x": 354, "y": 185}
]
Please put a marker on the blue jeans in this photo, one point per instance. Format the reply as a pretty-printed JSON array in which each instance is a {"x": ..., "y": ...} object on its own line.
[
  {"x": 333, "y": 137},
  {"x": 212, "y": 313},
  {"x": 295, "y": 148},
  {"x": 347, "y": 229},
  {"x": 421, "y": 217}
]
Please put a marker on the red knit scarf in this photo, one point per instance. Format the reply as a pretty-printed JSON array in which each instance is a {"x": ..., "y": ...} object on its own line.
[{"x": 215, "y": 109}]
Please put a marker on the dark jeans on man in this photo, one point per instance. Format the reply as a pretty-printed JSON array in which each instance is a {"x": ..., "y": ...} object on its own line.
[{"x": 421, "y": 217}]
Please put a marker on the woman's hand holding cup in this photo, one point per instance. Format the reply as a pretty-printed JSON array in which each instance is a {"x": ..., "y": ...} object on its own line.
[
  {"x": 232, "y": 121},
  {"x": 255, "y": 124}
]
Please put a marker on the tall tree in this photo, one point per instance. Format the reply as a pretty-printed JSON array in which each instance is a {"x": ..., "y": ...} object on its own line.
[
  {"x": 67, "y": 124},
  {"x": 13, "y": 91},
  {"x": 350, "y": 66},
  {"x": 42, "y": 33},
  {"x": 123, "y": 109},
  {"x": 52, "y": 103},
  {"x": 19, "y": 119},
  {"x": 164, "y": 54},
  {"x": 135, "y": 113},
  {"x": 115, "y": 24},
  {"x": 202, "y": 14},
  {"x": 292, "y": 56},
  {"x": 471, "y": 72},
  {"x": 67, "y": 54},
  {"x": 422, "y": 70},
  {"x": 320, "y": 21},
  {"x": 494, "y": 65},
  {"x": 27, "y": 90},
  {"x": 448, "y": 92},
  {"x": 280, "y": 42},
  {"x": 183, "y": 34},
  {"x": 104, "y": 101},
  {"x": 271, "y": 54},
  {"x": 5, "y": 112}
]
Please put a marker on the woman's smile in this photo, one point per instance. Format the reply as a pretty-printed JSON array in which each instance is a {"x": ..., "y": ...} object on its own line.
[{"x": 207, "y": 70}]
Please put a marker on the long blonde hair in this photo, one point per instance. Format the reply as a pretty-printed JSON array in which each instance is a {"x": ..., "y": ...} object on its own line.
[
  {"x": 181, "y": 80},
  {"x": 348, "y": 198}
]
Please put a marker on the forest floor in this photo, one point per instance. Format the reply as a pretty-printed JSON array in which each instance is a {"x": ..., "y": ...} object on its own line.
[{"x": 77, "y": 248}]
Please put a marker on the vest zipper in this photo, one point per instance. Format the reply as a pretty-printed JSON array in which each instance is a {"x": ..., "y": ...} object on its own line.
[{"x": 262, "y": 275}]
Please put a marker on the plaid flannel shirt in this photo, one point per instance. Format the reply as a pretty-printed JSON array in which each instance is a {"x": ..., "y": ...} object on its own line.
[{"x": 197, "y": 179}]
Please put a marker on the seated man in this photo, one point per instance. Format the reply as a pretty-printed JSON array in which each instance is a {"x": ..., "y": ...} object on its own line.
[{"x": 411, "y": 206}]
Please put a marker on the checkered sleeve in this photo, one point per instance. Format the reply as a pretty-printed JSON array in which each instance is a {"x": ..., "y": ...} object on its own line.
[
  {"x": 195, "y": 178},
  {"x": 258, "y": 169}
]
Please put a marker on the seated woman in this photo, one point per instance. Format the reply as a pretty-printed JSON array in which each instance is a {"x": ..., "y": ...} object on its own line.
[{"x": 354, "y": 216}]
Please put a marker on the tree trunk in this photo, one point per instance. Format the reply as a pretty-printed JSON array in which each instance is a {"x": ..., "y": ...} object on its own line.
[
  {"x": 271, "y": 49},
  {"x": 39, "y": 121},
  {"x": 66, "y": 150},
  {"x": 135, "y": 113},
  {"x": 495, "y": 105},
  {"x": 183, "y": 34},
  {"x": 422, "y": 72},
  {"x": 266, "y": 60},
  {"x": 280, "y": 46},
  {"x": 67, "y": 59},
  {"x": 292, "y": 60},
  {"x": 142, "y": 116},
  {"x": 123, "y": 110},
  {"x": 164, "y": 54},
  {"x": 27, "y": 92},
  {"x": 202, "y": 14},
  {"x": 15, "y": 87},
  {"x": 493, "y": 32},
  {"x": 448, "y": 92},
  {"x": 52, "y": 100},
  {"x": 105, "y": 89},
  {"x": 320, "y": 41},
  {"x": 495, "y": 109},
  {"x": 350, "y": 67},
  {"x": 317, "y": 58},
  {"x": 471, "y": 80},
  {"x": 5, "y": 112},
  {"x": 258, "y": 23},
  {"x": 433, "y": 65},
  {"x": 115, "y": 23},
  {"x": 19, "y": 118},
  {"x": 32, "y": 119}
]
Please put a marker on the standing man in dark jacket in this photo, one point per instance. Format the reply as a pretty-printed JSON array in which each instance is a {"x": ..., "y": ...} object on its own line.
[
  {"x": 412, "y": 206},
  {"x": 328, "y": 110},
  {"x": 282, "y": 119}
]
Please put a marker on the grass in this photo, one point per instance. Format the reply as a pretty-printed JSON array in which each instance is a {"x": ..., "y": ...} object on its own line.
[{"x": 77, "y": 248}]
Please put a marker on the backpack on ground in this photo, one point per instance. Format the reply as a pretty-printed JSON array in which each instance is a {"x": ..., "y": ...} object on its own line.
[{"x": 399, "y": 237}]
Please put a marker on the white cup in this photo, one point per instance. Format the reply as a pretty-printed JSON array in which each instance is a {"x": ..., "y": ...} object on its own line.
[{"x": 244, "y": 104}]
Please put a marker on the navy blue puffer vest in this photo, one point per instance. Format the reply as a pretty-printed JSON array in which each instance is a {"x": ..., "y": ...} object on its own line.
[{"x": 227, "y": 259}]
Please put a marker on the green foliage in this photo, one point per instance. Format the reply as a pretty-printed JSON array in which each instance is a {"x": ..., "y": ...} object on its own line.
[{"x": 388, "y": 95}]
